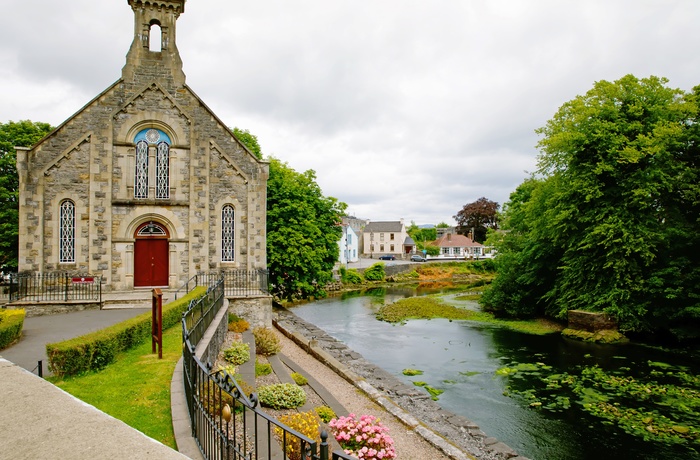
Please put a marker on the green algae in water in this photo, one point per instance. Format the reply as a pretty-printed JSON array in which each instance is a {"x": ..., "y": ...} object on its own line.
[
  {"x": 412, "y": 372},
  {"x": 642, "y": 406}
]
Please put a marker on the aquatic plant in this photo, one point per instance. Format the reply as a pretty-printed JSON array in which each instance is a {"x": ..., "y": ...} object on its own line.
[
  {"x": 662, "y": 405},
  {"x": 412, "y": 372}
]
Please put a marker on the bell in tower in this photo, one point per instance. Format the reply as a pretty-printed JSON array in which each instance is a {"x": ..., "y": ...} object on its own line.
[{"x": 153, "y": 51}]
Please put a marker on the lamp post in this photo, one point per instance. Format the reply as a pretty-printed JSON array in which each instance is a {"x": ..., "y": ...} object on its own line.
[{"x": 347, "y": 252}]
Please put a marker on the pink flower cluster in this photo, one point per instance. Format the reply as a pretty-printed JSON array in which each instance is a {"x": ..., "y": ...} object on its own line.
[{"x": 366, "y": 438}]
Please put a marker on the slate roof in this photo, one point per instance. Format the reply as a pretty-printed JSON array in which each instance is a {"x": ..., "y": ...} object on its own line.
[{"x": 378, "y": 227}]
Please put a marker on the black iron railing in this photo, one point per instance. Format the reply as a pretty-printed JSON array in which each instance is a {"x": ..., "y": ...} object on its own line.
[
  {"x": 237, "y": 283},
  {"x": 226, "y": 424},
  {"x": 55, "y": 286}
]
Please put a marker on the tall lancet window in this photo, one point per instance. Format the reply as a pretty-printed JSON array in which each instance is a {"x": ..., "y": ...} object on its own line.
[
  {"x": 141, "y": 173},
  {"x": 152, "y": 164},
  {"x": 227, "y": 234},
  {"x": 66, "y": 238},
  {"x": 163, "y": 171}
]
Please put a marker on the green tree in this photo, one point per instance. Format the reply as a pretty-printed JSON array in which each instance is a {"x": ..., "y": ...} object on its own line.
[
  {"x": 421, "y": 236},
  {"x": 303, "y": 230},
  {"x": 612, "y": 223},
  {"x": 249, "y": 140},
  {"x": 13, "y": 134},
  {"x": 475, "y": 219}
]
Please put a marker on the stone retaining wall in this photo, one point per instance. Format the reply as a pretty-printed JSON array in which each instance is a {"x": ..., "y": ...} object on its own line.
[{"x": 50, "y": 308}]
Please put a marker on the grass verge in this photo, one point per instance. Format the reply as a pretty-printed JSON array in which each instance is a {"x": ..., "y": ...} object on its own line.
[
  {"x": 428, "y": 307},
  {"x": 136, "y": 388}
]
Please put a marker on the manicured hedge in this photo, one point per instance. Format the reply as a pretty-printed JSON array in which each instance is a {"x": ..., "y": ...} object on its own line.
[
  {"x": 94, "y": 351},
  {"x": 11, "y": 323}
]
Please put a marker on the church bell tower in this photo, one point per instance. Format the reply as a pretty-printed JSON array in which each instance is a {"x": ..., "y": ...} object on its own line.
[{"x": 153, "y": 53}]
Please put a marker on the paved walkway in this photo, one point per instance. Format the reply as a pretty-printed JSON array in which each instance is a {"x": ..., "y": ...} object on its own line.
[
  {"x": 40, "y": 420},
  {"x": 40, "y": 330}
]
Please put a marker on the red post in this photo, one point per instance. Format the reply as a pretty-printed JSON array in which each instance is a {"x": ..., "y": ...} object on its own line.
[{"x": 157, "y": 323}]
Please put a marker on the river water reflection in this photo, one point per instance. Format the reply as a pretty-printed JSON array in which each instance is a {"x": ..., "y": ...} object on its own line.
[{"x": 461, "y": 358}]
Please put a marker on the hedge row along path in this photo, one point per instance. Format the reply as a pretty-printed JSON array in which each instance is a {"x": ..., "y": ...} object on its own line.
[{"x": 40, "y": 330}]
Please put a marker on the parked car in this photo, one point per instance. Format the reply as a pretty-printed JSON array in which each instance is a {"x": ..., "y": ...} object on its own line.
[
  {"x": 387, "y": 257},
  {"x": 417, "y": 258}
]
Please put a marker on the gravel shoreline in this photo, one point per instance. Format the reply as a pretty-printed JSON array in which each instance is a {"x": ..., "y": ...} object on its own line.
[{"x": 420, "y": 427}]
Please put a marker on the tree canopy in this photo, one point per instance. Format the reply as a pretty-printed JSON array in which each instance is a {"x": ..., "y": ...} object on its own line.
[
  {"x": 303, "y": 229},
  {"x": 477, "y": 218},
  {"x": 610, "y": 222},
  {"x": 13, "y": 134},
  {"x": 249, "y": 140}
]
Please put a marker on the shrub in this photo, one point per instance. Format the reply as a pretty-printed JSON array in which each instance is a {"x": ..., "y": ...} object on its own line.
[
  {"x": 11, "y": 324},
  {"x": 281, "y": 396},
  {"x": 325, "y": 413},
  {"x": 365, "y": 438},
  {"x": 237, "y": 324},
  {"x": 299, "y": 379},
  {"x": 262, "y": 369},
  {"x": 306, "y": 423},
  {"x": 266, "y": 342},
  {"x": 97, "y": 349},
  {"x": 351, "y": 276},
  {"x": 375, "y": 272},
  {"x": 238, "y": 353}
]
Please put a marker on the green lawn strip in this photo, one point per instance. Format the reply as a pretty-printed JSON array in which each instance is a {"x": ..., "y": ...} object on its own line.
[
  {"x": 429, "y": 307},
  {"x": 135, "y": 388}
]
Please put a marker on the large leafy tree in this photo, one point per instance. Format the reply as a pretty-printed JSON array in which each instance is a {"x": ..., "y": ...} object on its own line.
[
  {"x": 303, "y": 230},
  {"x": 611, "y": 224},
  {"x": 477, "y": 218},
  {"x": 13, "y": 134}
]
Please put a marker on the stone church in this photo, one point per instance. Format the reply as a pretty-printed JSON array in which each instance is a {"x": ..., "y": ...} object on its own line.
[{"x": 144, "y": 186}]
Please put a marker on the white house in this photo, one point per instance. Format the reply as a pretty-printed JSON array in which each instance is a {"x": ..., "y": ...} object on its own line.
[{"x": 349, "y": 246}]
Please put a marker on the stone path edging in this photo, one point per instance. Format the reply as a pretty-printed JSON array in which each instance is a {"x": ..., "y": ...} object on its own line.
[{"x": 413, "y": 408}]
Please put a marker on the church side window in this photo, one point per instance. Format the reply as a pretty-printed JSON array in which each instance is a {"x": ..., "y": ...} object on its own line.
[
  {"x": 141, "y": 173},
  {"x": 163, "y": 171},
  {"x": 67, "y": 232},
  {"x": 227, "y": 233}
]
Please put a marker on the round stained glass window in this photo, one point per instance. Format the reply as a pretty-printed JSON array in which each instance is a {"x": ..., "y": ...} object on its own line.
[{"x": 152, "y": 136}]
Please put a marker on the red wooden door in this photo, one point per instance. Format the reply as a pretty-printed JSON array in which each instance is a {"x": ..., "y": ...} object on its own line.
[{"x": 151, "y": 262}]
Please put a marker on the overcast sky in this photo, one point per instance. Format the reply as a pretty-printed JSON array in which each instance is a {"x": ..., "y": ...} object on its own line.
[{"x": 405, "y": 109}]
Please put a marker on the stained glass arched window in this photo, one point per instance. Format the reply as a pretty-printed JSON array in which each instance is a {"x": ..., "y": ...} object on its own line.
[
  {"x": 144, "y": 140},
  {"x": 66, "y": 238},
  {"x": 227, "y": 234}
]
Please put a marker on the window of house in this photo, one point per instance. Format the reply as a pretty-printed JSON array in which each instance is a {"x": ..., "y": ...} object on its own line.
[
  {"x": 381, "y": 248},
  {"x": 381, "y": 237},
  {"x": 152, "y": 145},
  {"x": 477, "y": 250},
  {"x": 349, "y": 239},
  {"x": 392, "y": 248},
  {"x": 445, "y": 250},
  {"x": 66, "y": 243},
  {"x": 227, "y": 234},
  {"x": 391, "y": 237}
]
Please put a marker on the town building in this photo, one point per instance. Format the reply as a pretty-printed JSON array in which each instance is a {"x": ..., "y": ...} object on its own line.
[{"x": 144, "y": 186}]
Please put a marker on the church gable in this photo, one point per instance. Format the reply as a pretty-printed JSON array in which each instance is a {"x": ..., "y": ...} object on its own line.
[{"x": 145, "y": 154}]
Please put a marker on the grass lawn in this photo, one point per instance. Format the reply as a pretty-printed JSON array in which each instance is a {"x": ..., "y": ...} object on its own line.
[{"x": 135, "y": 388}]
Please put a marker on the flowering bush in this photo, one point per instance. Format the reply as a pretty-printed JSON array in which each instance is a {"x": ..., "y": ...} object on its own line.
[
  {"x": 238, "y": 353},
  {"x": 365, "y": 438},
  {"x": 306, "y": 423}
]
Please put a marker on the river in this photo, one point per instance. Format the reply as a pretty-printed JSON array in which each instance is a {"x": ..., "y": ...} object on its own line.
[{"x": 461, "y": 358}]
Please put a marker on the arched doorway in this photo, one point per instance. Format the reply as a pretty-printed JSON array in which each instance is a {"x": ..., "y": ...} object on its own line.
[{"x": 151, "y": 264}]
